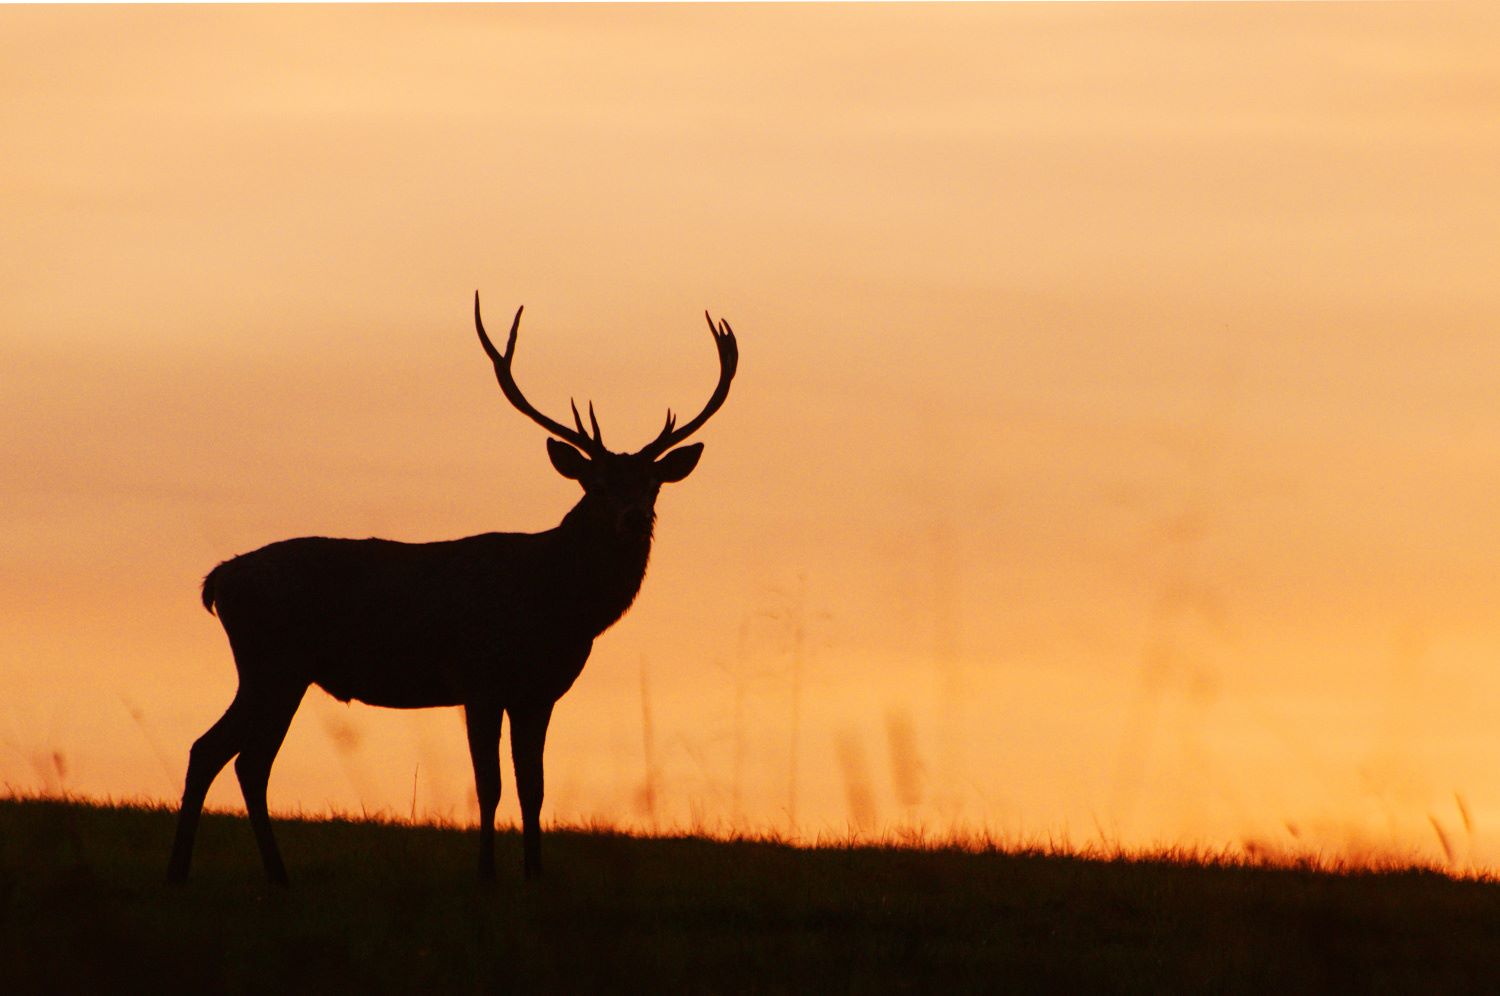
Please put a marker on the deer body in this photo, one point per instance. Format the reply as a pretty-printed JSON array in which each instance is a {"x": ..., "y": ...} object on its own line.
[
  {"x": 500, "y": 623},
  {"x": 415, "y": 625}
]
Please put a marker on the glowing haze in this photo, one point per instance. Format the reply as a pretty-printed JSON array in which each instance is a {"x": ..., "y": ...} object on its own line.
[{"x": 1114, "y": 452}]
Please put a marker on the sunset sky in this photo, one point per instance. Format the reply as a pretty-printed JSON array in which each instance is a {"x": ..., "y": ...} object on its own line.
[{"x": 1114, "y": 454}]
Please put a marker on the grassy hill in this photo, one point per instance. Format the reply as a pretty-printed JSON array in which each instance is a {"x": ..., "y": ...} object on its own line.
[{"x": 380, "y": 907}]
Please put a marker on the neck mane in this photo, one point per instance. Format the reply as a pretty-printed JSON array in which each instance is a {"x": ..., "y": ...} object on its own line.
[{"x": 607, "y": 566}]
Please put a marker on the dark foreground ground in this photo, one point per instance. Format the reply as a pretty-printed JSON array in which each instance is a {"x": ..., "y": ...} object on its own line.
[{"x": 388, "y": 908}]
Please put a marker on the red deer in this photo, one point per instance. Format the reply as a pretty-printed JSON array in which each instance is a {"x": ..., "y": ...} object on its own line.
[{"x": 500, "y": 623}]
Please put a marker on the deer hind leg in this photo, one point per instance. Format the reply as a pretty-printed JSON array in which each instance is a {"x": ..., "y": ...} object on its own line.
[
  {"x": 528, "y": 736},
  {"x": 268, "y": 716},
  {"x": 483, "y": 723},
  {"x": 207, "y": 758}
]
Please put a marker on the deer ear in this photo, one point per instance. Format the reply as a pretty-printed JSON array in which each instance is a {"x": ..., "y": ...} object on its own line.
[
  {"x": 568, "y": 461},
  {"x": 679, "y": 463}
]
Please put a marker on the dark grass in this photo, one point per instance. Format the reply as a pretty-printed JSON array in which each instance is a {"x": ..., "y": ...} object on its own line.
[{"x": 392, "y": 908}]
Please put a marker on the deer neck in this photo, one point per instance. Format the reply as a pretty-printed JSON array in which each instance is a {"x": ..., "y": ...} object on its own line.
[{"x": 606, "y": 565}]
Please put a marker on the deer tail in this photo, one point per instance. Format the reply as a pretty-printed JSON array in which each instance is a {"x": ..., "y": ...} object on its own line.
[{"x": 209, "y": 586}]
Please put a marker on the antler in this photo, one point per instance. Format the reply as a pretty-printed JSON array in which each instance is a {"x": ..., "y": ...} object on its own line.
[
  {"x": 594, "y": 446},
  {"x": 729, "y": 359}
]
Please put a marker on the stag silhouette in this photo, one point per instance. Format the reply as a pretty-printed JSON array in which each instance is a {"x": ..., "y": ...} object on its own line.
[{"x": 500, "y": 623}]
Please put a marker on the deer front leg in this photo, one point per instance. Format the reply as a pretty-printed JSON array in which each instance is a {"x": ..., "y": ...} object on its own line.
[
  {"x": 528, "y": 736},
  {"x": 483, "y": 722}
]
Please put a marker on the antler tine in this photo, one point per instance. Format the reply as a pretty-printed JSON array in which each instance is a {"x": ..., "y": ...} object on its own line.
[
  {"x": 512, "y": 392},
  {"x": 484, "y": 339},
  {"x": 598, "y": 436},
  {"x": 729, "y": 359}
]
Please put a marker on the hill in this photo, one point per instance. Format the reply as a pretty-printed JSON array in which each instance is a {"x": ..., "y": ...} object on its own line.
[{"x": 384, "y": 907}]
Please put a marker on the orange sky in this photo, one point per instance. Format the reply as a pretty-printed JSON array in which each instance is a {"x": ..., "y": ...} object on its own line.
[{"x": 1114, "y": 449}]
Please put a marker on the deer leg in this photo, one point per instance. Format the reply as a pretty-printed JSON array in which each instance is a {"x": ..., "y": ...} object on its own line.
[
  {"x": 207, "y": 758},
  {"x": 483, "y": 723},
  {"x": 266, "y": 729},
  {"x": 528, "y": 735}
]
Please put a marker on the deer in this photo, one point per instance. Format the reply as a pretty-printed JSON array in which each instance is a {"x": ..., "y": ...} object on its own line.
[{"x": 499, "y": 624}]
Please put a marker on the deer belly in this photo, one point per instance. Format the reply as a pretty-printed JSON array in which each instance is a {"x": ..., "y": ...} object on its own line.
[{"x": 413, "y": 686}]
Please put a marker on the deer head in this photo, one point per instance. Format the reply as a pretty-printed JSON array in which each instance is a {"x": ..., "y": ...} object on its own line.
[{"x": 619, "y": 488}]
